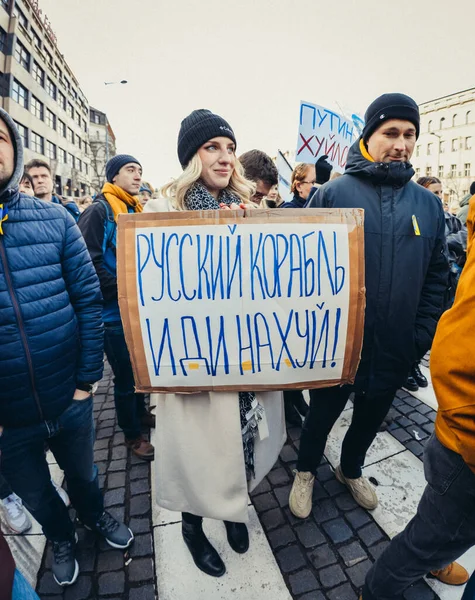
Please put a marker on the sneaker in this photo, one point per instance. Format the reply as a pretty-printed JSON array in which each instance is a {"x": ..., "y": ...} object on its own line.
[
  {"x": 300, "y": 499},
  {"x": 418, "y": 376},
  {"x": 454, "y": 574},
  {"x": 17, "y": 519},
  {"x": 61, "y": 493},
  {"x": 65, "y": 567},
  {"x": 361, "y": 489},
  {"x": 116, "y": 534},
  {"x": 141, "y": 448}
]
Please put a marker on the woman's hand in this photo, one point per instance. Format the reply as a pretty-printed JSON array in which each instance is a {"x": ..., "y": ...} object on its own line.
[{"x": 233, "y": 206}]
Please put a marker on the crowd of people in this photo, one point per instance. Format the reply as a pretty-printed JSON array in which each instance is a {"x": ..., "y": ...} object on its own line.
[{"x": 59, "y": 314}]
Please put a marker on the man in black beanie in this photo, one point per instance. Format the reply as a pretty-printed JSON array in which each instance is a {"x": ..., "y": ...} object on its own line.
[{"x": 406, "y": 272}]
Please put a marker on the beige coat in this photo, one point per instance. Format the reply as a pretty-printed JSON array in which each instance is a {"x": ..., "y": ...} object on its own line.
[{"x": 199, "y": 453}]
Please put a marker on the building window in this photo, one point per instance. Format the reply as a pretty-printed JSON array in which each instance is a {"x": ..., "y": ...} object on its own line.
[
  {"x": 3, "y": 40},
  {"x": 63, "y": 155},
  {"x": 59, "y": 73},
  {"x": 468, "y": 143},
  {"x": 51, "y": 150},
  {"x": 36, "y": 38},
  {"x": 97, "y": 119},
  {"x": 71, "y": 160},
  {"x": 429, "y": 126},
  {"x": 62, "y": 100},
  {"x": 48, "y": 56},
  {"x": 442, "y": 122},
  {"x": 466, "y": 169},
  {"x": 468, "y": 117},
  {"x": 70, "y": 110},
  {"x": 454, "y": 145},
  {"x": 79, "y": 142},
  {"x": 84, "y": 125},
  {"x": 418, "y": 150},
  {"x": 85, "y": 148},
  {"x": 79, "y": 164},
  {"x": 38, "y": 74},
  {"x": 23, "y": 131},
  {"x": 453, "y": 170},
  {"x": 4, "y": 3},
  {"x": 51, "y": 88},
  {"x": 22, "y": 55},
  {"x": 67, "y": 83},
  {"x": 62, "y": 128},
  {"x": 37, "y": 108},
  {"x": 20, "y": 94},
  {"x": 429, "y": 149},
  {"x": 50, "y": 119},
  {"x": 86, "y": 166},
  {"x": 454, "y": 120},
  {"x": 440, "y": 172},
  {"x": 20, "y": 16},
  {"x": 70, "y": 136},
  {"x": 418, "y": 172},
  {"x": 37, "y": 143},
  {"x": 428, "y": 171},
  {"x": 442, "y": 146},
  {"x": 78, "y": 118}
]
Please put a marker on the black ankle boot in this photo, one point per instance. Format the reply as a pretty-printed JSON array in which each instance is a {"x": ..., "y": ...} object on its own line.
[
  {"x": 411, "y": 383},
  {"x": 205, "y": 556},
  {"x": 421, "y": 380},
  {"x": 238, "y": 536}
]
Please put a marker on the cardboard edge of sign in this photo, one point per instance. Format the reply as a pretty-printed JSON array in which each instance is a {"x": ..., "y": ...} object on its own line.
[{"x": 128, "y": 299}]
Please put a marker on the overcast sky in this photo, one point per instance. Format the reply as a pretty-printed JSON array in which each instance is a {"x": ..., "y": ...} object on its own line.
[{"x": 252, "y": 61}]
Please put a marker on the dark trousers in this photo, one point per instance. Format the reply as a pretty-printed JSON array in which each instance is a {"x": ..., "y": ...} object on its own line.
[
  {"x": 5, "y": 489},
  {"x": 129, "y": 406},
  {"x": 326, "y": 405},
  {"x": 442, "y": 530},
  {"x": 70, "y": 438},
  {"x": 191, "y": 519}
]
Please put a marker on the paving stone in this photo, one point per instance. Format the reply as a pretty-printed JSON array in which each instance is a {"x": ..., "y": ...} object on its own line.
[
  {"x": 415, "y": 447},
  {"x": 417, "y": 433},
  {"x": 378, "y": 549},
  {"x": 139, "y": 525},
  {"x": 81, "y": 589},
  {"x": 346, "y": 502},
  {"x": 370, "y": 534},
  {"x": 290, "y": 559},
  {"x": 357, "y": 518},
  {"x": 101, "y": 444},
  {"x": 141, "y": 569},
  {"x": 325, "y": 473},
  {"x": 323, "y": 556},
  {"x": 294, "y": 433},
  {"x": 319, "y": 492},
  {"x": 139, "y": 505},
  {"x": 280, "y": 537},
  {"x": 419, "y": 591},
  {"x": 337, "y": 530},
  {"x": 264, "y": 502},
  {"x": 404, "y": 421},
  {"x": 86, "y": 558},
  {"x": 412, "y": 401},
  {"x": 139, "y": 471},
  {"x": 101, "y": 468},
  {"x": 118, "y": 512},
  {"x": 309, "y": 535},
  {"x": 114, "y": 497},
  {"x": 146, "y": 592},
  {"x": 110, "y": 561},
  {"x": 352, "y": 554},
  {"x": 105, "y": 424},
  {"x": 112, "y": 583},
  {"x": 278, "y": 477},
  {"x": 105, "y": 433},
  {"x": 302, "y": 582},
  {"x": 424, "y": 409},
  {"x": 324, "y": 511},
  {"x": 313, "y": 596},
  {"x": 402, "y": 394},
  {"x": 401, "y": 435},
  {"x": 117, "y": 465},
  {"x": 101, "y": 480},
  {"x": 141, "y": 486},
  {"x": 431, "y": 415},
  {"x": 119, "y": 452},
  {"x": 282, "y": 495},
  {"x": 331, "y": 576},
  {"x": 405, "y": 409},
  {"x": 264, "y": 486},
  {"x": 47, "y": 585},
  {"x": 118, "y": 439},
  {"x": 342, "y": 592},
  {"x": 142, "y": 546},
  {"x": 357, "y": 573},
  {"x": 334, "y": 487},
  {"x": 107, "y": 414},
  {"x": 418, "y": 418},
  {"x": 272, "y": 519},
  {"x": 288, "y": 454},
  {"x": 115, "y": 480},
  {"x": 429, "y": 427}
]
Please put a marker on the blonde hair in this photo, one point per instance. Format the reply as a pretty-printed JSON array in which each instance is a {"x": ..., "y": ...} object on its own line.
[
  {"x": 298, "y": 175},
  {"x": 176, "y": 190}
]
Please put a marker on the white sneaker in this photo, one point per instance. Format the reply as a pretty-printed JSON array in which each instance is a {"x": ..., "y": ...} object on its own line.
[
  {"x": 17, "y": 519},
  {"x": 361, "y": 489},
  {"x": 61, "y": 493},
  {"x": 300, "y": 499}
]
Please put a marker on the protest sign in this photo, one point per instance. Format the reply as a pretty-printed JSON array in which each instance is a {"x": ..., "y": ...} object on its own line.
[
  {"x": 323, "y": 131},
  {"x": 242, "y": 300}
]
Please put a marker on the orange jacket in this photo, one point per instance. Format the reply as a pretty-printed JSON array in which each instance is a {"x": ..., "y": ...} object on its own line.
[{"x": 452, "y": 362}]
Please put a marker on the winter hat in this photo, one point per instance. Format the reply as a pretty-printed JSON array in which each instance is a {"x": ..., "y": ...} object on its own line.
[
  {"x": 323, "y": 170},
  {"x": 390, "y": 106},
  {"x": 196, "y": 129},
  {"x": 116, "y": 163}
]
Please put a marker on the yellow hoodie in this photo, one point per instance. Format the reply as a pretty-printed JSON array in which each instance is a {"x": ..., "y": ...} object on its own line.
[{"x": 452, "y": 362}]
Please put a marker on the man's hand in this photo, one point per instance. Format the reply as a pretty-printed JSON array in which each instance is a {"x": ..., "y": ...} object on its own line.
[{"x": 81, "y": 395}]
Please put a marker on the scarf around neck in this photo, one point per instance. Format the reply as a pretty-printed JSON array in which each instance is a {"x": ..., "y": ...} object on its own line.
[
  {"x": 120, "y": 200},
  {"x": 198, "y": 198}
]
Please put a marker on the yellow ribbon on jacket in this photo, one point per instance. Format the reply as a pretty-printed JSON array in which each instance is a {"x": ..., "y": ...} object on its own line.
[
  {"x": 120, "y": 200},
  {"x": 3, "y": 216}
]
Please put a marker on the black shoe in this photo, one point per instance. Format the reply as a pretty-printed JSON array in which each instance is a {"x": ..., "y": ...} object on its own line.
[
  {"x": 238, "y": 536},
  {"x": 116, "y": 534},
  {"x": 411, "y": 384},
  {"x": 204, "y": 555},
  {"x": 418, "y": 377},
  {"x": 65, "y": 567}
]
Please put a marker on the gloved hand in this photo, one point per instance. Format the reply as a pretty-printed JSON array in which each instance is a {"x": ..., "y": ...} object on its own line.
[{"x": 323, "y": 169}]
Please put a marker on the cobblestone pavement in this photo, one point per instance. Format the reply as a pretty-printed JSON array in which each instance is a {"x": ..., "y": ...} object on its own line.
[
  {"x": 125, "y": 481},
  {"x": 327, "y": 556}
]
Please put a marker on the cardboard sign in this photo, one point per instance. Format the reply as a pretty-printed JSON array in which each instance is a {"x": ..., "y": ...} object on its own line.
[
  {"x": 323, "y": 131},
  {"x": 242, "y": 300}
]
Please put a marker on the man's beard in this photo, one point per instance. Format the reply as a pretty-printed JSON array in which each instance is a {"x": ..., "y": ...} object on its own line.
[{"x": 4, "y": 177}]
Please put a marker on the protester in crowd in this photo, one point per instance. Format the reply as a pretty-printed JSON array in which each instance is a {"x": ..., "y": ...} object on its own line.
[
  {"x": 98, "y": 225},
  {"x": 26, "y": 185},
  {"x": 51, "y": 353},
  {"x": 13, "y": 586},
  {"x": 335, "y": 175},
  {"x": 444, "y": 525},
  {"x": 40, "y": 173},
  {"x": 259, "y": 168},
  {"x": 210, "y": 453},
  {"x": 404, "y": 242},
  {"x": 273, "y": 199},
  {"x": 464, "y": 204},
  {"x": 84, "y": 203},
  {"x": 306, "y": 179},
  {"x": 145, "y": 193}
]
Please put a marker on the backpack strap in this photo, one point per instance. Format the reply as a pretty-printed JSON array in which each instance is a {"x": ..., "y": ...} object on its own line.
[{"x": 110, "y": 224}]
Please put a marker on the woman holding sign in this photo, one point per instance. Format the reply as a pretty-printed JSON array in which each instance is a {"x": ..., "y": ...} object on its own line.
[{"x": 213, "y": 447}]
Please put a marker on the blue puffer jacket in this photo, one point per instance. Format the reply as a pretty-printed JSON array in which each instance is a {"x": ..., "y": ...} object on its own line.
[
  {"x": 51, "y": 332},
  {"x": 406, "y": 274}
]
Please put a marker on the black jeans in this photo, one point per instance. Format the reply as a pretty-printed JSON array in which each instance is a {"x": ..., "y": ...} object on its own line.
[
  {"x": 442, "y": 530},
  {"x": 5, "y": 489},
  {"x": 326, "y": 405},
  {"x": 129, "y": 406}
]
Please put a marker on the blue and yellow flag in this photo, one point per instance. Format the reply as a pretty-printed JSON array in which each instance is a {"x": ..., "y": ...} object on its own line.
[{"x": 3, "y": 216}]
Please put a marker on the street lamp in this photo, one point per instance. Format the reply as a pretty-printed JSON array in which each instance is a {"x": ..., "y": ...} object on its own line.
[{"x": 123, "y": 81}]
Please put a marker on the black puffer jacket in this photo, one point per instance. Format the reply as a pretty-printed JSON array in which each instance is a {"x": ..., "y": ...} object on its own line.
[{"x": 406, "y": 274}]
